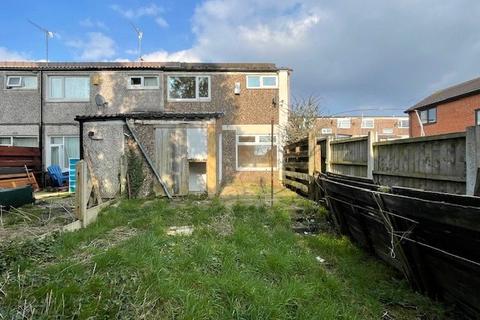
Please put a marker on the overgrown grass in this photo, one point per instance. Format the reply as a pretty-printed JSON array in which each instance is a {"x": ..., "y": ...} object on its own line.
[{"x": 241, "y": 262}]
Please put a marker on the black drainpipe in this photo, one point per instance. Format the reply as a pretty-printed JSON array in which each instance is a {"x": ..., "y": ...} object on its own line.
[
  {"x": 81, "y": 139},
  {"x": 40, "y": 129}
]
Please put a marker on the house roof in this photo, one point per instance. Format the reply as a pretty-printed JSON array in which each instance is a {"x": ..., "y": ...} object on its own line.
[
  {"x": 144, "y": 65},
  {"x": 451, "y": 93},
  {"x": 185, "y": 116}
]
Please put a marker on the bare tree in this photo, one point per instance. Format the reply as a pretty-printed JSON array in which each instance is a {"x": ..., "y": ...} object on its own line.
[{"x": 302, "y": 118}]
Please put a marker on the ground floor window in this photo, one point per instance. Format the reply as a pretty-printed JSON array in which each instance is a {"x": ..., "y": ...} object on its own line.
[
  {"x": 18, "y": 141},
  {"x": 254, "y": 152},
  {"x": 62, "y": 148}
]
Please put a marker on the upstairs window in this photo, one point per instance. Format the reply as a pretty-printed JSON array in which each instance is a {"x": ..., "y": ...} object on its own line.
[
  {"x": 188, "y": 88},
  {"x": 403, "y": 123},
  {"x": 429, "y": 115},
  {"x": 67, "y": 88},
  {"x": 143, "y": 82},
  {"x": 344, "y": 123},
  {"x": 21, "y": 82},
  {"x": 368, "y": 123},
  {"x": 387, "y": 131},
  {"x": 262, "y": 82}
]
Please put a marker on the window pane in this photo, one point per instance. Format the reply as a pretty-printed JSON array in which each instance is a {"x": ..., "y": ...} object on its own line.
[
  {"x": 270, "y": 81},
  {"x": 5, "y": 141},
  {"x": 56, "y": 140},
  {"x": 267, "y": 139},
  {"x": 25, "y": 142},
  {"x": 478, "y": 117},
  {"x": 13, "y": 81},
  {"x": 367, "y": 123},
  {"x": 150, "y": 82},
  {"x": 135, "y": 81},
  {"x": 343, "y": 123},
  {"x": 253, "y": 81},
  {"x": 424, "y": 116},
  {"x": 55, "y": 155},
  {"x": 181, "y": 87},
  {"x": 203, "y": 87},
  {"x": 71, "y": 149},
  {"x": 30, "y": 82},
  {"x": 56, "y": 88},
  {"x": 432, "y": 115},
  {"x": 77, "y": 88},
  {"x": 256, "y": 156},
  {"x": 246, "y": 139}
]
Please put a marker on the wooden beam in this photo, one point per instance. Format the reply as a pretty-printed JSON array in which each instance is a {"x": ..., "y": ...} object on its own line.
[{"x": 212, "y": 181}]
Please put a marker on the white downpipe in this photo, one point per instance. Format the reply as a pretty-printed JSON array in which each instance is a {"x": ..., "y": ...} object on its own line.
[{"x": 422, "y": 132}]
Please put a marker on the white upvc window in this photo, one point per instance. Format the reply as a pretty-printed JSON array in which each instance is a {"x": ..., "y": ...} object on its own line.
[
  {"x": 254, "y": 152},
  {"x": 327, "y": 130},
  {"x": 61, "y": 149},
  {"x": 262, "y": 82},
  {"x": 143, "y": 82},
  {"x": 21, "y": 82},
  {"x": 343, "y": 123},
  {"x": 387, "y": 131},
  {"x": 368, "y": 123},
  {"x": 19, "y": 141},
  {"x": 189, "y": 88},
  {"x": 68, "y": 88},
  {"x": 403, "y": 123}
]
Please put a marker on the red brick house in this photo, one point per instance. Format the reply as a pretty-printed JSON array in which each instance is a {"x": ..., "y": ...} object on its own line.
[{"x": 449, "y": 110}]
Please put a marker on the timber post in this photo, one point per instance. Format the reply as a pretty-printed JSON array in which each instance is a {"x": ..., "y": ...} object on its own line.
[
  {"x": 371, "y": 139},
  {"x": 212, "y": 180},
  {"x": 472, "y": 159}
]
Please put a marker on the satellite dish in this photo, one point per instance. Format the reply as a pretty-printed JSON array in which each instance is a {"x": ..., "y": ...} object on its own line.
[{"x": 100, "y": 101}]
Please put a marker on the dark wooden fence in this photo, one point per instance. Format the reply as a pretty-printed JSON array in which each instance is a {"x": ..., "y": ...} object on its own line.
[
  {"x": 19, "y": 157},
  {"x": 432, "y": 238}
]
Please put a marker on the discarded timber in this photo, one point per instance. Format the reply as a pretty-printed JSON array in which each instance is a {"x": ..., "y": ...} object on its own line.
[{"x": 432, "y": 238}]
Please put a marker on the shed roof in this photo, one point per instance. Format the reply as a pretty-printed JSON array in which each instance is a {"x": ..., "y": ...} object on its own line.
[
  {"x": 142, "y": 65},
  {"x": 451, "y": 93},
  {"x": 151, "y": 115}
]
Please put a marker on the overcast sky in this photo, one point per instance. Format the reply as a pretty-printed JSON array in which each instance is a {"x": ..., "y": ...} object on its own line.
[{"x": 370, "y": 54}]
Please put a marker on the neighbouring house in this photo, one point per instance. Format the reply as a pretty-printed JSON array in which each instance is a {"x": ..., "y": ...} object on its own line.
[
  {"x": 446, "y": 111},
  {"x": 44, "y": 104},
  {"x": 386, "y": 128}
]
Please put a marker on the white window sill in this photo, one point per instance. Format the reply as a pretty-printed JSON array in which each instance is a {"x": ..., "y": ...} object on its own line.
[
  {"x": 257, "y": 169},
  {"x": 189, "y": 100}
]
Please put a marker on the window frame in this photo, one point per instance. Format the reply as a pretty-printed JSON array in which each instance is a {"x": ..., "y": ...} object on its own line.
[
  {"x": 477, "y": 116},
  {"x": 344, "y": 119},
  {"x": 427, "y": 112},
  {"x": 256, "y": 143},
  {"x": 367, "y": 119},
  {"x": 400, "y": 123},
  {"x": 48, "y": 161},
  {"x": 197, "y": 92},
  {"x": 63, "y": 77},
  {"x": 13, "y": 137},
  {"x": 261, "y": 76},
  {"x": 142, "y": 82},
  {"x": 20, "y": 86},
  {"x": 323, "y": 131}
]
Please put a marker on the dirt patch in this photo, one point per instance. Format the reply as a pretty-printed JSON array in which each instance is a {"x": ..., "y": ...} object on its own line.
[
  {"x": 222, "y": 224},
  {"x": 309, "y": 221}
]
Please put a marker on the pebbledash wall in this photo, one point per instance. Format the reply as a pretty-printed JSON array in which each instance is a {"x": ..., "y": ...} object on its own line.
[
  {"x": 453, "y": 116},
  {"x": 247, "y": 112}
]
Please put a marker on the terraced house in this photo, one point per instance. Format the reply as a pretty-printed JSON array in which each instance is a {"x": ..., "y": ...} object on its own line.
[{"x": 45, "y": 104}]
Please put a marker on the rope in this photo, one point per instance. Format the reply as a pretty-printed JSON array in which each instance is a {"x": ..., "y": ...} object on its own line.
[{"x": 388, "y": 224}]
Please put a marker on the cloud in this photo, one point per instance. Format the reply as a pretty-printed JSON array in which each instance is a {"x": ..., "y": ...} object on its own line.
[
  {"x": 350, "y": 53},
  {"x": 89, "y": 23},
  {"x": 97, "y": 46},
  {"x": 176, "y": 56},
  {"x": 151, "y": 10},
  {"x": 8, "y": 55}
]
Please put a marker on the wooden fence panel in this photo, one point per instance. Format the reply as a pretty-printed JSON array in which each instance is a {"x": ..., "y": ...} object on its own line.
[
  {"x": 295, "y": 162},
  {"x": 434, "y": 163},
  {"x": 349, "y": 156}
]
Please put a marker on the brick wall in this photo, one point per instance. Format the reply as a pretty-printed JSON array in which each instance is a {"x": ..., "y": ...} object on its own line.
[
  {"x": 454, "y": 116},
  {"x": 380, "y": 123}
]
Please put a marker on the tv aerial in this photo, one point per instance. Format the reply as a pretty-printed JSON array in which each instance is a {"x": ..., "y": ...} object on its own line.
[
  {"x": 48, "y": 35},
  {"x": 139, "y": 39}
]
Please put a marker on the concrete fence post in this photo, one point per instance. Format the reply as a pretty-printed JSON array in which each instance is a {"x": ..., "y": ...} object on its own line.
[
  {"x": 371, "y": 138},
  {"x": 472, "y": 159},
  {"x": 328, "y": 155},
  {"x": 81, "y": 196}
]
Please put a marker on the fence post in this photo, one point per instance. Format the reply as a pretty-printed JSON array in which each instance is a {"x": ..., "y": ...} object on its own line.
[
  {"x": 312, "y": 147},
  {"x": 371, "y": 138},
  {"x": 472, "y": 158},
  {"x": 81, "y": 196},
  {"x": 328, "y": 154}
]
